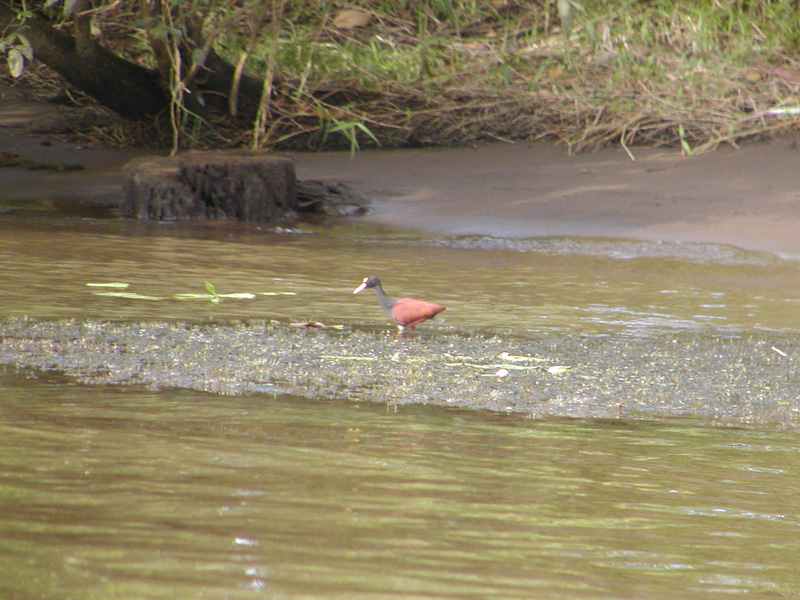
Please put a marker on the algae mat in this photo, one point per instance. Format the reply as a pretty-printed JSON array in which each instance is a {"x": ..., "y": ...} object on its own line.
[{"x": 730, "y": 380}]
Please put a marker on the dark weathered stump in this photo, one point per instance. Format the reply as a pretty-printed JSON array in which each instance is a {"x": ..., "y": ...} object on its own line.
[{"x": 206, "y": 185}]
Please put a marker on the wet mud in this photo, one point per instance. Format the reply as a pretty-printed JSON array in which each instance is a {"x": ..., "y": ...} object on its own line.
[{"x": 739, "y": 380}]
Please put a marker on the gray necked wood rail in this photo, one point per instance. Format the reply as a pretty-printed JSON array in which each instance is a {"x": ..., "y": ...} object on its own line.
[{"x": 406, "y": 312}]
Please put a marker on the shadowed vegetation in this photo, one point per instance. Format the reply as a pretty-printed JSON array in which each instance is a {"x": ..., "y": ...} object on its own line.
[
  {"x": 309, "y": 74},
  {"x": 741, "y": 380}
]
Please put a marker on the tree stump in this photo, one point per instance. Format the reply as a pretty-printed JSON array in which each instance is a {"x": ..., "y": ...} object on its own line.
[{"x": 211, "y": 185}]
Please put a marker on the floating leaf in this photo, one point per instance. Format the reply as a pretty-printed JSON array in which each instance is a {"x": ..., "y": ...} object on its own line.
[
  {"x": 558, "y": 369},
  {"x": 129, "y": 295},
  {"x": 109, "y": 284},
  {"x": 212, "y": 296},
  {"x": 190, "y": 296},
  {"x": 277, "y": 294}
]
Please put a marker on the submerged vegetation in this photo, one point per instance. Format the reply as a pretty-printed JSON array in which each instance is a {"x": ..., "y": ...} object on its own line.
[
  {"x": 587, "y": 73},
  {"x": 732, "y": 380}
]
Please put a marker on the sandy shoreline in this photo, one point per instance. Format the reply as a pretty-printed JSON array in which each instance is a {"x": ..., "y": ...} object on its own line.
[{"x": 747, "y": 197}]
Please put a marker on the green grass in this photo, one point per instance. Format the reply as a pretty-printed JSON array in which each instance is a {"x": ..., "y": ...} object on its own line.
[
  {"x": 689, "y": 73},
  {"x": 692, "y": 74}
]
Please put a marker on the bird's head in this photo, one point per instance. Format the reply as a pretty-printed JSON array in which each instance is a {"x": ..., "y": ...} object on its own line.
[{"x": 367, "y": 282}]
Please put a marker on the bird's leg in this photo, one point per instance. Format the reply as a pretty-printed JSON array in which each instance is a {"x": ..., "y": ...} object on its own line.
[{"x": 404, "y": 332}]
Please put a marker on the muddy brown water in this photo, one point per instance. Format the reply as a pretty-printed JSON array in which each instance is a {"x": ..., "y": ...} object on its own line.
[
  {"x": 569, "y": 284},
  {"x": 132, "y": 492},
  {"x": 118, "y": 493}
]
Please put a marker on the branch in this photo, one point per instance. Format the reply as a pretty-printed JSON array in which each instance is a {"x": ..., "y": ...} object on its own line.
[{"x": 123, "y": 86}]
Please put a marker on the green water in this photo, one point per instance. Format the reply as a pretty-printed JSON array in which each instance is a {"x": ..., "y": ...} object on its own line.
[
  {"x": 137, "y": 493},
  {"x": 110, "y": 493}
]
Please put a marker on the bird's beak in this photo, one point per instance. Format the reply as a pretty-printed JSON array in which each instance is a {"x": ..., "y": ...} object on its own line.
[{"x": 361, "y": 287}]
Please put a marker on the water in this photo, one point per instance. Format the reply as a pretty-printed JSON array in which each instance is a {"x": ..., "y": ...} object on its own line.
[
  {"x": 132, "y": 493},
  {"x": 560, "y": 284},
  {"x": 123, "y": 493}
]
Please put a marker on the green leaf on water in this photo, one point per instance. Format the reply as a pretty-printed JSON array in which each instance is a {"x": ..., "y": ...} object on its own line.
[
  {"x": 129, "y": 295},
  {"x": 213, "y": 297},
  {"x": 209, "y": 295},
  {"x": 199, "y": 296},
  {"x": 192, "y": 296}
]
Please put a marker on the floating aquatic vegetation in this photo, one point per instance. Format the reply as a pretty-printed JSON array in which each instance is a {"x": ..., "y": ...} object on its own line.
[
  {"x": 210, "y": 294},
  {"x": 724, "y": 380},
  {"x": 120, "y": 285},
  {"x": 130, "y": 295}
]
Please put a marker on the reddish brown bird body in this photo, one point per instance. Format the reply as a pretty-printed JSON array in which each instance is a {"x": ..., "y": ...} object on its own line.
[{"x": 406, "y": 312}]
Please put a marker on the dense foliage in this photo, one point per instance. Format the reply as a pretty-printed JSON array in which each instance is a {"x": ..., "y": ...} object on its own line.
[{"x": 313, "y": 73}]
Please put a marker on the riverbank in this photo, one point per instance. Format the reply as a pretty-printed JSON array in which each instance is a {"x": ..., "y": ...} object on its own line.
[{"x": 747, "y": 197}]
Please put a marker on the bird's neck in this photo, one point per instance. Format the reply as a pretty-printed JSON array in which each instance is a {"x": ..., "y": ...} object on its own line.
[{"x": 385, "y": 301}]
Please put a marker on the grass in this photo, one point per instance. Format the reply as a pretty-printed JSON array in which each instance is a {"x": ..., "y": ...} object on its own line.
[
  {"x": 675, "y": 72},
  {"x": 689, "y": 74}
]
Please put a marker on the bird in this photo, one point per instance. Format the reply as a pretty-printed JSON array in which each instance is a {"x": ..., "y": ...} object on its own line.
[{"x": 406, "y": 312}]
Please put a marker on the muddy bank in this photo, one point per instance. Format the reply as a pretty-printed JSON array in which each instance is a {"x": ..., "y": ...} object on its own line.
[
  {"x": 747, "y": 197},
  {"x": 735, "y": 380}
]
